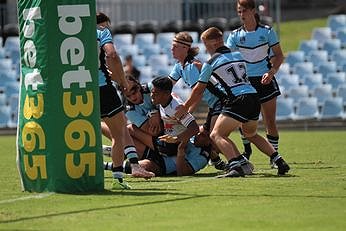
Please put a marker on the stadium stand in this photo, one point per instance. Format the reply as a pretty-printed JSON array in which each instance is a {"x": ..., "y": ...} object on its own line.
[{"x": 307, "y": 109}]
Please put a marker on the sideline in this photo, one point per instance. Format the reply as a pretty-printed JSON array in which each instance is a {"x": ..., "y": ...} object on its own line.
[{"x": 39, "y": 196}]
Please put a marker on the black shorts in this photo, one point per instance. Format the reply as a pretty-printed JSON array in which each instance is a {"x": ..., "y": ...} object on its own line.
[
  {"x": 243, "y": 108},
  {"x": 265, "y": 92},
  {"x": 216, "y": 110},
  {"x": 110, "y": 103}
]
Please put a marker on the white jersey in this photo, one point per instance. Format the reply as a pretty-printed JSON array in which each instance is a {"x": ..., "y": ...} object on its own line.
[{"x": 172, "y": 125}]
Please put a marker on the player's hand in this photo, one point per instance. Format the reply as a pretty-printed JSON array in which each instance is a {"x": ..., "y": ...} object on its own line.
[
  {"x": 267, "y": 77},
  {"x": 169, "y": 139}
]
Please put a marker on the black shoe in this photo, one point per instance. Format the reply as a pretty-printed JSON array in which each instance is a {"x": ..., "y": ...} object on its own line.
[
  {"x": 283, "y": 167},
  {"x": 219, "y": 164}
]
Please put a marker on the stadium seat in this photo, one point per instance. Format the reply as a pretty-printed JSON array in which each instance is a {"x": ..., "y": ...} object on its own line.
[
  {"x": 285, "y": 109},
  {"x": 124, "y": 27},
  {"x": 147, "y": 26},
  {"x": 341, "y": 92},
  {"x": 146, "y": 75},
  {"x": 12, "y": 88},
  {"x": 322, "y": 93},
  {"x": 308, "y": 45},
  {"x": 312, "y": 80},
  {"x": 6, "y": 64},
  {"x": 3, "y": 97},
  {"x": 335, "y": 22},
  {"x": 303, "y": 68},
  {"x": 139, "y": 60},
  {"x": 294, "y": 57},
  {"x": 331, "y": 45},
  {"x": 5, "y": 116},
  {"x": 218, "y": 22},
  {"x": 333, "y": 108},
  {"x": 326, "y": 68},
  {"x": 298, "y": 92},
  {"x": 12, "y": 43},
  {"x": 336, "y": 79},
  {"x": 150, "y": 49},
  {"x": 203, "y": 57},
  {"x": 144, "y": 39},
  {"x": 317, "y": 57},
  {"x": 174, "y": 26},
  {"x": 284, "y": 69},
  {"x": 307, "y": 108},
  {"x": 122, "y": 39},
  {"x": 128, "y": 50},
  {"x": 202, "y": 49},
  {"x": 2, "y": 52},
  {"x": 158, "y": 63},
  {"x": 164, "y": 39},
  {"x": 321, "y": 34},
  {"x": 288, "y": 81},
  {"x": 341, "y": 35},
  {"x": 338, "y": 56}
]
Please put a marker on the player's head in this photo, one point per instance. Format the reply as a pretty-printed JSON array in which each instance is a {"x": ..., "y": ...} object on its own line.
[
  {"x": 133, "y": 94},
  {"x": 182, "y": 47},
  {"x": 161, "y": 90},
  {"x": 102, "y": 20},
  {"x": 212, "y": 39},
  {"x": 246, "y": 9}
]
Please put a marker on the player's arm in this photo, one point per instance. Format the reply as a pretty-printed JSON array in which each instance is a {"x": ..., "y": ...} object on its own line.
[
  {"x": 183, "y": 168},
  {"x": 115, "y": 66}
]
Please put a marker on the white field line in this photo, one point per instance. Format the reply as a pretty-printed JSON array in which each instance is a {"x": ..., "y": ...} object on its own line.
[{"x": 38, "y": 196}]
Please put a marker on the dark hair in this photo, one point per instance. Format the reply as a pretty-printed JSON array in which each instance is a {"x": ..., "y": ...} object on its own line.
[
  {"x": 247, "y": 4},
  {"x": 101, "y": 17},
  {"x": 163, "y": 83}
]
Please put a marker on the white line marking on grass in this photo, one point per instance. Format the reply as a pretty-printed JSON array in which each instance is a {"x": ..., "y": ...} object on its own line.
[{"x": 39, "y": 196}]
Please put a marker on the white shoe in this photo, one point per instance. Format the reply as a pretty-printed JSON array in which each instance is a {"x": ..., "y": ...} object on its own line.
[{"x": 107, "y": 150}]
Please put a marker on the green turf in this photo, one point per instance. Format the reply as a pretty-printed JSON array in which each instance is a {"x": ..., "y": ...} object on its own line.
[
  {"x": 311, "y": 197},
  {"x": 292, "y": 32}
]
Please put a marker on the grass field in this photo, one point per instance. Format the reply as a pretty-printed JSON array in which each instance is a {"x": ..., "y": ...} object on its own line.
[{"x": 311, "y": 197}]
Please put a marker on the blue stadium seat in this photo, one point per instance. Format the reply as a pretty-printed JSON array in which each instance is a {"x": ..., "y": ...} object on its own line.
[
  {"x": 122, "y": 39},
  {"x": 288, "y": 81},
  {"x": 144, "y": 39},
  {"x": 12, "y": 43},
  {"x": 284, "y": 109},
  {"x": 202, "y": 49},
  {"x": 307, "y": 108},
  {"x": 3, "y": 97},
  {"x": 341, "y": 34},
  {"x": 203, "y": 57},
  {"x": 339, "y": 56},
  {"x": 5, "y": 116},
  {"x": 12, "y": 88},
  {"x": 6, "y": 64},
  {"x": 333, "y": 108},
  {"x": 146, "y": 75},
  {"x": 128, "y": 50},
  {"x": 284, "y": 69},
  {"x": 318, "y": 57},
  {"x": 336, "y": 79},
  {"x": 322, "y": 93},
  {"x": 294, "y": 57},
  {"x": 150, "y": 49},
  {"x": 326, "y": 68},
  {"x": 139, "y": 60},
  {"x": 159, "y": 64},
  {"x": 308, "y": 45},
  {"x": 337, "y": 21},
  {"x": 341, "y": 92},
  {"x": 303, "y": 68},
  {"x": 313, "y": 80},
  {"x": 164, "y": 39},
  {"x": 321, "y": 34},
  {"x": 298, "y": 92},
  {"x": 331, "y": 45}
]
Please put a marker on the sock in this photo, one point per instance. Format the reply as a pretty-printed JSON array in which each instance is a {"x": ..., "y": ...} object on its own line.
[
  {"x": 274, "y": 140},
  {"x": 127, "y": 167},
  {"x": 107, "y": 165},
  {"x": 246, "y": 142},
  {"x": 275, "y": 156},
  {"x": 117, "y": 173},
  {"x": 131, "y": 154}
]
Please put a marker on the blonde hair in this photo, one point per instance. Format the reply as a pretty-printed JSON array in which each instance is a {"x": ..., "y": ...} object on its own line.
[{"x": 212, "y": 33}]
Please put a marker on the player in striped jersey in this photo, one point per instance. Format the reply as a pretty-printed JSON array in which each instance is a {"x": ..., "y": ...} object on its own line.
[
  {"x": 241, "y": 106},
  {"x": 261, "y": 50}
]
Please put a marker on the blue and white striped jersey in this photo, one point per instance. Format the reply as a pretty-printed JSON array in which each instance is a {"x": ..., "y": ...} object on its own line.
[
  {"x": 228, "y": 69},
  {"x": 255, "y": 46},
  {"x": 103, "y": 36}
]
